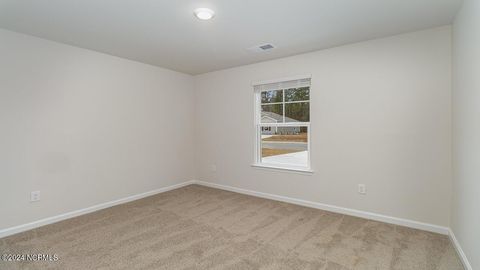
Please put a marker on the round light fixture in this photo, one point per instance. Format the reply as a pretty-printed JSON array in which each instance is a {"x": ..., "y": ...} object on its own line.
[{"x": 204, "y": 13}]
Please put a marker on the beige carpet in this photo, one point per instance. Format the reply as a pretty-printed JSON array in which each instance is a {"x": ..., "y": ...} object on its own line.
[{"x": 202, "y": 228}]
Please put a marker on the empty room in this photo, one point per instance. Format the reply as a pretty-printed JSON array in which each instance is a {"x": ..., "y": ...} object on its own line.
[{"x": 240, "y": 134}]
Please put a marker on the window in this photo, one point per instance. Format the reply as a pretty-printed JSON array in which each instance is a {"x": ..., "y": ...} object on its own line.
[{"x": 282, "y": 124}]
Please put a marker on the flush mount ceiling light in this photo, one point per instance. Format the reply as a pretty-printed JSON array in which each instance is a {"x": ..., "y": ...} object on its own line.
[{"x": 204, "y": 13}]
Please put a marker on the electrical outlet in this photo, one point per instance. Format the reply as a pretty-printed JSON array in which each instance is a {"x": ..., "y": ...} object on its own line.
[
  {"x": 213, "y": 168},
  {"x": 362, "y": 189},
  {"x": 35, "y": 196}
]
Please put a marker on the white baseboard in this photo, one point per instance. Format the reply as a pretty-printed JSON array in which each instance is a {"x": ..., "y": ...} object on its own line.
[
  {"x": 336, "y": 209},
  {"x": 459, "y": 250},
  {"x": 327, "y": 207},
  {"x": 49, "y": 220}
]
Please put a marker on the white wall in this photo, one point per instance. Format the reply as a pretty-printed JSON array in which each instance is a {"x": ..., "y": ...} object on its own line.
[
  {"x": 380, "y": 115},
  {"x": 466, "y": 130},
  {"x": 86, "y": 128}
]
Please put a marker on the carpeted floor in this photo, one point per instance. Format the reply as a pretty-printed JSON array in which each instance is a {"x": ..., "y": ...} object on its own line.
[{"x": 196, "y": 227}]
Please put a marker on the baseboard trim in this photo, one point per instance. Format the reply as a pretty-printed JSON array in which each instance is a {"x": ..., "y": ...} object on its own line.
[
  {"x": 332, "y": 208},
  {"x": 458, "y": 248},
  {"x": 327, "y": 207},
  {"x": 50, "y": 220},
  {"x": 322, "y": 206}
]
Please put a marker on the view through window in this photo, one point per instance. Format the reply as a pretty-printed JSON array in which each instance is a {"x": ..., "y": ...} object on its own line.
[{"x": 283, "y": 123}]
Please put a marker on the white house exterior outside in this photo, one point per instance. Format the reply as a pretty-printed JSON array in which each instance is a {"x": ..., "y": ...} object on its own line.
[{"x": 271, "y": 117}]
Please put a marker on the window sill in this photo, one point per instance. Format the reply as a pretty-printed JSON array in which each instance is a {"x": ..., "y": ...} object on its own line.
[{"x": 299, "y": 170}]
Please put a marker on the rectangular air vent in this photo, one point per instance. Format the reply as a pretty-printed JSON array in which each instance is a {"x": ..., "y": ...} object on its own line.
[
  {"x": 261, "y": 47},
  {"x": 266, "y": 47}
]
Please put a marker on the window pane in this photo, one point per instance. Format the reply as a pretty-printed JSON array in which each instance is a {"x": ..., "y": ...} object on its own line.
[
  {"x": 297, "y": 112},
  {"x": 285, "y": 145},
  {"x": 272, "y": 113},
  {"x": 297, "y": 94},
  {"x": 272, "y": 96}
]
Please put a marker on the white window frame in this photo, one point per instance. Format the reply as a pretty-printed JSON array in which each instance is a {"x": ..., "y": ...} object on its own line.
[{"x": 258, "y": 126}]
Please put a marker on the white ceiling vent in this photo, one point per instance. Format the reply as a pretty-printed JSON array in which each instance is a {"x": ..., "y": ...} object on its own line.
[{"x": 261, "y": 48}]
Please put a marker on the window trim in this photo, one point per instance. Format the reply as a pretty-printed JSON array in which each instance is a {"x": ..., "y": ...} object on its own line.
[
  {"x": 262, "y": 166},
  {"x": 284, "y": 79},
  {"x": 257, "y": 159}
]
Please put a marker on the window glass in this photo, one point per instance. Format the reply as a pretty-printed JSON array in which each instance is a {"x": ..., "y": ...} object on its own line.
[
  {"x": 282, "y": 124},
  {"x": 297, "y": 112},
  {"x": 272, "y": 96},
  {"x": 297, "y": 94},
  {"x": 285, "y": 146},
  {"x": 272, "y": 113}
]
